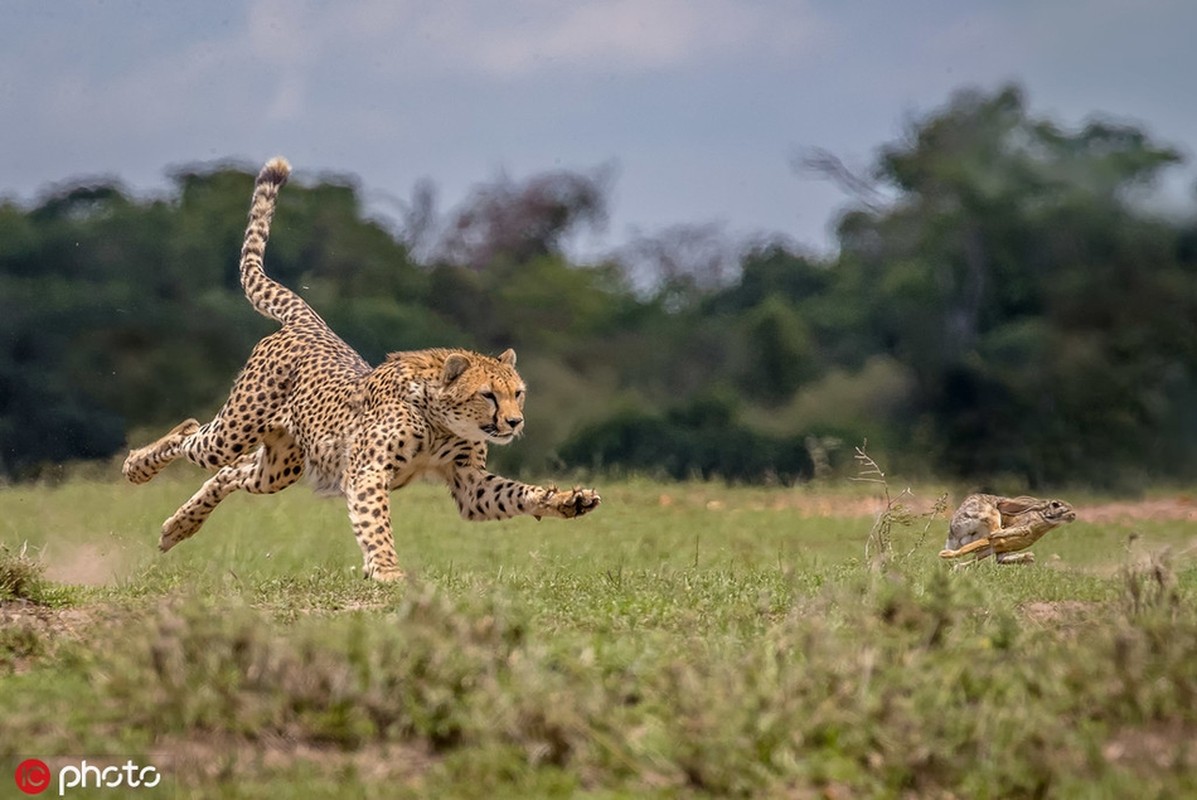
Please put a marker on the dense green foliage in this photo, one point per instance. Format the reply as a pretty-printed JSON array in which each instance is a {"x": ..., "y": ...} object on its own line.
[
  {"x": 700, "y": 440},
  {"x": 1002, "y": 308}
]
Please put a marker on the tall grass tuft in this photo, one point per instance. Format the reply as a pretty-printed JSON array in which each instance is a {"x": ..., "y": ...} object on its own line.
[
  {"x": 896, "y": 513},
  {"x": 20, "y": 576}
]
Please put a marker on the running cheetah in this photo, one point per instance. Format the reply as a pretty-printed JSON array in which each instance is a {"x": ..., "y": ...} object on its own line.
[{"x": 307, "y": 404}]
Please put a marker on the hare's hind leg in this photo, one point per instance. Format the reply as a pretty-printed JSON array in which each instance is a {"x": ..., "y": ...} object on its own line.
[{"x": 981, "y": 554}]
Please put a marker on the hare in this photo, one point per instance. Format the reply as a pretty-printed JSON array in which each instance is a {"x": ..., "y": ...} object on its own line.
[{"x": 987, "y": 524}]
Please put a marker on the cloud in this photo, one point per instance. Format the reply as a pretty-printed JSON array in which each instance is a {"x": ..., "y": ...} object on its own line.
[
  {"x": 624, "y": 35},
  {"x": 522, "y": 37}
]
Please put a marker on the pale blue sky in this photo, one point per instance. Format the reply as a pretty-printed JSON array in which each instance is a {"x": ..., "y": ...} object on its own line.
[{"x": 699, "y": 104}]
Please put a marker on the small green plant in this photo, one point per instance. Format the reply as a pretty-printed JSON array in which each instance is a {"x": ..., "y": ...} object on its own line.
[
  {"x": 1150, "y": 584},
  {"x": 22, "y": 580},
  {"x": 20, "y": 576},
  {"x": 896, "y": 513}
]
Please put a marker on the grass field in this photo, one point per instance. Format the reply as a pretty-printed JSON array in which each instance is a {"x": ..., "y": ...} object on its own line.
[{"x": 685, "y": 640}]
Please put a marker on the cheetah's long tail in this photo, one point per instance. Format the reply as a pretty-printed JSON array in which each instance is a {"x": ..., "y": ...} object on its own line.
[{"x": 269, "y": 297}]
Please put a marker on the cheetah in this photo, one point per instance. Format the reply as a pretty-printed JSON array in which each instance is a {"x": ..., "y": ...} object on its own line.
[{"x": 306, "y": 404}]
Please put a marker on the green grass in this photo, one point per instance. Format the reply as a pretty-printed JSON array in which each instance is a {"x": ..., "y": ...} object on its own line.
[{"x": 688, "y": 640}]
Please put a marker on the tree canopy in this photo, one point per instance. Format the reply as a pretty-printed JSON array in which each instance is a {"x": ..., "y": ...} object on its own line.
[{"x": 1004, "y": 307}]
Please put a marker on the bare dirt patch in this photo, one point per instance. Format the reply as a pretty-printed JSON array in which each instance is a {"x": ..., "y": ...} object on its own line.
[
  {"x": 54, "y": 624},
  {"x": 1060, "y": 613},
  {"x": 39, "y": 630},
  {"x": 1178, "y": 508},
  {"x": 197, "y": 760},
  {"x": 1150, "y": 748},
  {"x": 86, "y": 565},
  {"x": 806, "y": 503},
  {"x": 1182, "y": 508}
]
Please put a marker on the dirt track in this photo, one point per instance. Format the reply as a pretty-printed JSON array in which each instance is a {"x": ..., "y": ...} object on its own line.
[
  {"x": 1178, "y": 508},
  {"x": 1181, "y": 507}
]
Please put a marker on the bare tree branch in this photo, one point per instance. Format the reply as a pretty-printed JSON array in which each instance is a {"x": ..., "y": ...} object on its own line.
[{"x": 828, "y": 166}]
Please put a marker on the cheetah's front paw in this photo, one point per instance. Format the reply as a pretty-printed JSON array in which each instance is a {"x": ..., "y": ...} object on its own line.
[
  {"x": 569, "y": 503},
  {"x": 385, "y": 574},
  {"x": 179, "y": 527}
]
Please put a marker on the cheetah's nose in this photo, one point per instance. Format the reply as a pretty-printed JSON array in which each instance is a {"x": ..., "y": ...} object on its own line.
[{"x": 515, "y": 422}]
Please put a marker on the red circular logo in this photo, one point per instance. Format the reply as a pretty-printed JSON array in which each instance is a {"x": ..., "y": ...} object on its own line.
[{"x": 33, "y": 776}]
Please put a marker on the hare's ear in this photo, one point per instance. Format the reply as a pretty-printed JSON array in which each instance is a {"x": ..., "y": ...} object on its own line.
[
  {"x": 1017, "y": 505},
  {"x": 455, "y": 365},
  {"x": 507, "y": 357}
]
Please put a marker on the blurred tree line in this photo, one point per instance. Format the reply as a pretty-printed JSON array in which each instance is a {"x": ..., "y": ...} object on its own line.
[{"x": 1002, "y": 308}]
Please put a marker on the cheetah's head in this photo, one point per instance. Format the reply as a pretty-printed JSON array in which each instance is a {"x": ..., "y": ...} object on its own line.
[{"x": 483, "y": 397}]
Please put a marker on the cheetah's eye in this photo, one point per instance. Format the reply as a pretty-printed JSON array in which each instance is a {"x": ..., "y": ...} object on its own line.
[{"x": 489, "y": 396}]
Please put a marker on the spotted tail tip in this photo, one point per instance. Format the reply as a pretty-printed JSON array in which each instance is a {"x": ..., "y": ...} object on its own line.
[{"x": 276, "y": 171}]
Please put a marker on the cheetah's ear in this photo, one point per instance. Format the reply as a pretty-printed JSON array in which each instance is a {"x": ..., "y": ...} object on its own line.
[
  {"x": 455, "y": 365},
  {"x": 507, "y": 357}
]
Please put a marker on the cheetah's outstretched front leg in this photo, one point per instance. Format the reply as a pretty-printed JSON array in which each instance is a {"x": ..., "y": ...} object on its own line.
[
  {"x": 144, "y": 463},
  {"x": 271, "y": 468},
  {"x": 481, "y": 495}
]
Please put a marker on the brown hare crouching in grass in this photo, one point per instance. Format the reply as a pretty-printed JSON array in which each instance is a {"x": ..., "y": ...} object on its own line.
[{"x": 986, "y": 525}]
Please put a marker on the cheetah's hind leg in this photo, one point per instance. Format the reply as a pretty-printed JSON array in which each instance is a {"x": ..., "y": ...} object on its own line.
[
  {"x": 144, "y": 463},
  {"x": 271, "y": 468}
]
